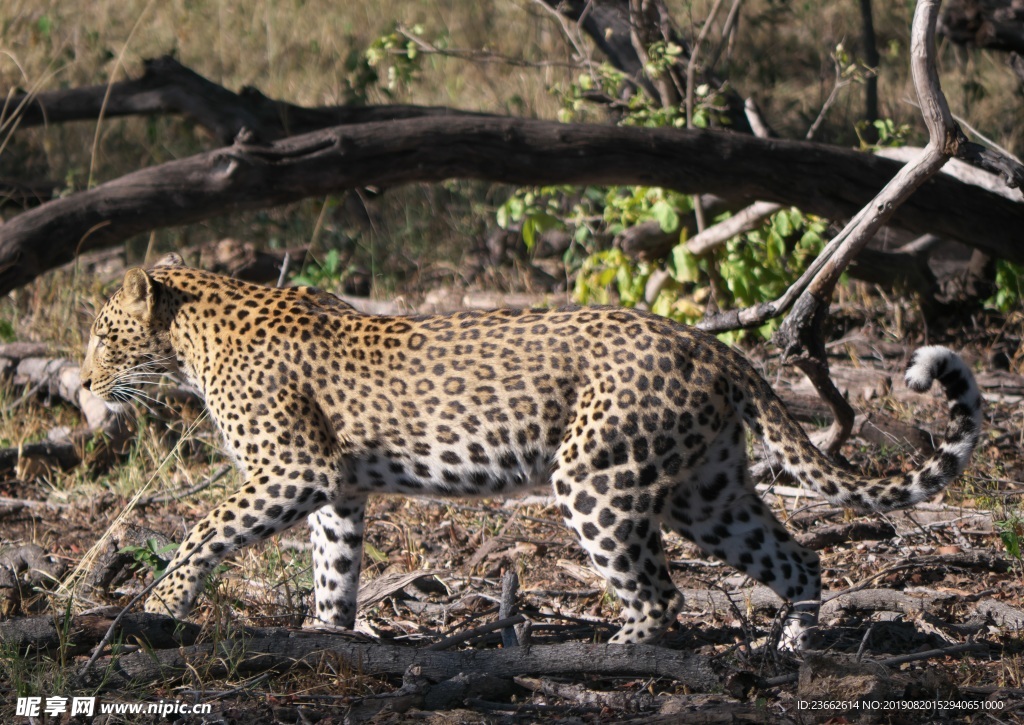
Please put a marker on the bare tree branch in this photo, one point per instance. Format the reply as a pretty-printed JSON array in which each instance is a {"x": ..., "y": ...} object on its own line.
[
  {"x": 691, "y": 66},
  {"x": 645, "y": 30},
  {"x": 801, "y": 334},
  {"x": 823, "y": 180},
  {"x": 282, "y": 650},
  {"x": 742, "y": 221},
  {"x": 945, "y": 141},
  {"x": 167, "y": 87}
]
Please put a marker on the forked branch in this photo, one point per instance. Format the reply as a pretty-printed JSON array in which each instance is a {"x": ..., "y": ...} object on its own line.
[
  {"x": 946, "y": 140},
  {"x": 801, "y": 334}
]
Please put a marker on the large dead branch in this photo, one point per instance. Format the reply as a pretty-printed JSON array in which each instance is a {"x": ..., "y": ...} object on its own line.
[
  {"x": 742, "y": 221},
  {"x": 167, "y": 87},
  {"x": 79, "y": 634},
  {"x": 820, "y": 179},
  {"x": 958, "y": 169}
]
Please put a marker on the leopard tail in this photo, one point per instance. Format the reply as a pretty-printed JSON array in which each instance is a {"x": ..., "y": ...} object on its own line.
[{"x": 767, "y": 416}]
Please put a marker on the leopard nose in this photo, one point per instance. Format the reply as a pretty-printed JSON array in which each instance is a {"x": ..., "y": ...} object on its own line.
[{"x": 87, "y": 384}]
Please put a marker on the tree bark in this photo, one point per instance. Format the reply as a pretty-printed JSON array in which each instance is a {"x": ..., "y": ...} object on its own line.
[
  {"x": 282, "y": 649},
  {"x": 872, "y": 60},
  {"x": 993, "y": 24},
  {"x": 820, "y": 179}
]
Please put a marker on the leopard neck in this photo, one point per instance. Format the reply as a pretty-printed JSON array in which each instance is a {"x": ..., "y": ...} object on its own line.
[{"x": 198, "y": 310}]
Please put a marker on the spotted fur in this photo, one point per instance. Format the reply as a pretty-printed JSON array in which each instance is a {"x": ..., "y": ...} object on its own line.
[{"x": 638, "y": 422}]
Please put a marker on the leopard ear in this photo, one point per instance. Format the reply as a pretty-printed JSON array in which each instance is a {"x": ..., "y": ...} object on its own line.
[
  {"x": 139, "y": 295},
  {"x": 171, "y": 260}
]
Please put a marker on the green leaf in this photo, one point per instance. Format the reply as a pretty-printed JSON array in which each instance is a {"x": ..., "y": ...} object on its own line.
[
  {"x": 781, "y": 224},
  {"x": 776, "y": 247},
  {"x": 685, "y": 265},
  {"x": 811, "y": 240},
  {"x": 666, "y": 215},
  {"x": 607, "y": 276},
  {"x": 511, "y": 211},
  {"x": 332, "y": 260},
  {"x": 529, "y": 232},
  {"x": 662, "y": 305},
  {"x": 375, "y": 554},
  {"x": 738, "y": 286},
  {"x": 544, "y": 221}
]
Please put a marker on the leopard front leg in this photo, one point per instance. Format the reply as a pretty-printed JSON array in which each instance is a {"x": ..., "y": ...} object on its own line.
[
  {"x": 263, "y": 507},
  {"x": 336, "y": 532}
]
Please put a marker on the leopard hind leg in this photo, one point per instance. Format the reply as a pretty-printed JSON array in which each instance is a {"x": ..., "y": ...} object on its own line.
[{"x": 722, "y": 513}]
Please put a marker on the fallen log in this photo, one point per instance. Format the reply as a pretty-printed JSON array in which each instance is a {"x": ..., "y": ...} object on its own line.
[
  {"x": 26, "y": 365},
  {"x": 281, "y": 650},
  {"x": 78, "y": 635}
]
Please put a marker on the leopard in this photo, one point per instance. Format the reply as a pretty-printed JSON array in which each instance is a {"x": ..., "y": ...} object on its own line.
[{"x": 638, "y": 423}]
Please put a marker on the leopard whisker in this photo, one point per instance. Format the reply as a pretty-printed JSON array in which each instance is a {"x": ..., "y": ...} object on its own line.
[
  {"x": 140, "y": 374},
  {"x": 149, "y": 363},
  {"x": 145, "y": 379},
  {"x": 140, "y": 398}
]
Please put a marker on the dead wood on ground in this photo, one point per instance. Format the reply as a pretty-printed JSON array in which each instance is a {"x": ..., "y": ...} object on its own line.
[
  {"x": 26, "y": 365},
  {"x": 282, "y": 649}
]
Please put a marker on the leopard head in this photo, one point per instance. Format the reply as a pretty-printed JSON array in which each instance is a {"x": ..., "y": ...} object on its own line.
[{"x": 129, "y": 342}]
